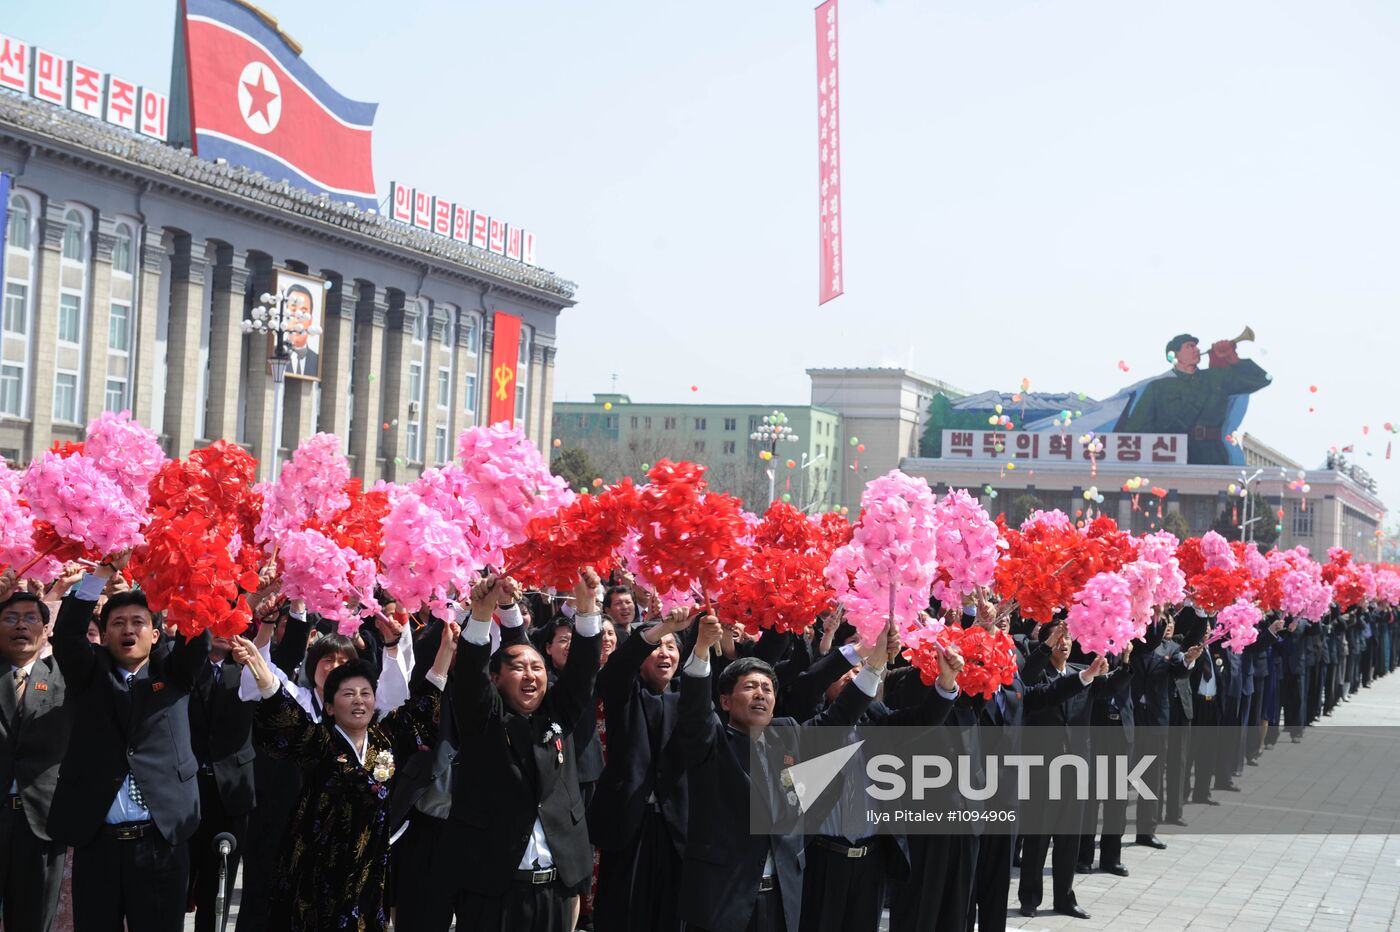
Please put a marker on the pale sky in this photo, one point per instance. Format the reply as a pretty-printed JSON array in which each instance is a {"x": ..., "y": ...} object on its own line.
[{"x": 1031, "y": 189}]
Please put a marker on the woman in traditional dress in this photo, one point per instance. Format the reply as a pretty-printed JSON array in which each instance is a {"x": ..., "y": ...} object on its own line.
[{"x": 332, "y": 867}]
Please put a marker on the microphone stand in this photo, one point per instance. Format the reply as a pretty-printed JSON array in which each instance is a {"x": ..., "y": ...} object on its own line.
[{"x": 224, "y": 844}]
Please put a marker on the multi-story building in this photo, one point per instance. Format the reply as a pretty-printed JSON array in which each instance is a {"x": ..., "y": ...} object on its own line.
[
  {"x": 130, "y": 265},
  {"x": 623, "y": 438}
]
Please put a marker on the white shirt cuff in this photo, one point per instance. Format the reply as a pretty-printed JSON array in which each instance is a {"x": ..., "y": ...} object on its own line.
[
  {"x": 510, "y": 617},
  {"x": 267, "y": 692},
  {"x": 477, "y": 632},
  {"x": 697, "y": 666},
  {"x": 299, "y": 616},
  {"x": 437, "y": 679},
  {"x": 91, "y": 587},
  {"x": 851, "y": 654},
  {"x": 587, "y": 626},
  {"x": 1085, "y": 678},
  {"x": 957, "y": 691},
  {"x": 868, "y": 681}
]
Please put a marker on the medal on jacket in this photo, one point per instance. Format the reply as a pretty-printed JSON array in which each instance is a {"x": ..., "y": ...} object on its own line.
[{"x": 555, "y": 735}]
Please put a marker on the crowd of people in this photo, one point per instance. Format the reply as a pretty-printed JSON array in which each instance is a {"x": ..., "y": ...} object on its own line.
[{"x": 577, "y": 760}]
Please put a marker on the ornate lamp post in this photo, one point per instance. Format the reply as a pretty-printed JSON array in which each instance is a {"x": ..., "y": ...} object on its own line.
[
  {"x": 773, "y": 431},
  {"x": 271, "y": 317}
]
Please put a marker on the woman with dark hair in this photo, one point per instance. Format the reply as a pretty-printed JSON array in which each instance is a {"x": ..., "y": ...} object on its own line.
[{"x": 332, "y": 874}]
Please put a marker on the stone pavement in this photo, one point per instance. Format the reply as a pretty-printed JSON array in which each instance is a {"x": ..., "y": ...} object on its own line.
[{"x": 1247, "y": 882}]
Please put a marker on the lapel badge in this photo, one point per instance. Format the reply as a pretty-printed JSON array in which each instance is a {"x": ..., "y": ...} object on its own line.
[
  {"x": 41, "y": 687},
  {"x": 157, "y": 686}
]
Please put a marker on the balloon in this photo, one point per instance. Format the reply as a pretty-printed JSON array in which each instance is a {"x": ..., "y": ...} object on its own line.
[
  {"x": 855, "y": 441},
  {"x": 372, "y": 376},
  {"x": 792, "y": 464},
  {"x": 1010, "y": 465},
  {"x": 1313, "y": 389},
  {"x": 1306, "y": 489},
  {"x": 394, "y": 422},
  {"x": 607, "y": 406},
  {"x": 845, "y": 510},
  {"x": 695, "y": 388},
  {"x": 1311, "y": 410},
  {"x": 992, "y": 419},
  {"x": 787, "y": 497},
  {"x": 558, "y": 443},
  {"x": 1232, "y": 488},
  {"x": 646, "y": 467},
  {"x": 860, "y": 448},
  {"x": 386, "y": 425},
  {"x": 997, "y": 409},
  {"x": 597, "y": 482},
  {"x": 1016, "y": 397},
  {"x": 398, "y": 461}
]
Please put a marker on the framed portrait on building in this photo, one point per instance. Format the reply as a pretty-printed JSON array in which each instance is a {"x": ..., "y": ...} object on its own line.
[{"x": 304, "y": 298}]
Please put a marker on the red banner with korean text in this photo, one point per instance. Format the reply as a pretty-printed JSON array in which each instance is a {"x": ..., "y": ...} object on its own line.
[
  {"x": 828, "y": 139},
  {"x": 505, "y": 357}
]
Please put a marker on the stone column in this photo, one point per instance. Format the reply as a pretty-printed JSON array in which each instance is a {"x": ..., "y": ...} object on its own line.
[
  {"x": 258, "y": 413},
  {"x": 535, "y": 400},
  {"x": 188, "y": 271},
  {"x": 94, "y": 393},
  {"x": 336, "y": 340},
  {"x": 430, "y": 416},
  {"x": 465, "y": 364},
  {"x": 546, "y": 431},
  {"x": 143, "y": 330},
  {"x": 371, "y": 312},
  {"x": 226, "y": 343},
  {"x": 399, "y": 350},
  {"x": 45, "y": 346}
]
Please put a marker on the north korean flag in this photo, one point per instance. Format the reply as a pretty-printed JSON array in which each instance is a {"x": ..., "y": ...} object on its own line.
[{"x": 254, "y": 102}]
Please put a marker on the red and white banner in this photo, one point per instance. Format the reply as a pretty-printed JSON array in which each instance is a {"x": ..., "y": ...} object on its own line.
[
  {"x": 505, "y": 357},
  {"x": 828, "y": 138}
]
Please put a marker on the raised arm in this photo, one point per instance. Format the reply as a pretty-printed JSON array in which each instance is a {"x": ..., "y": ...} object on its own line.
[
  {"x": 414, "y": 723},
  {"x": 76, "y": 657},
  {"x": 572, "y": 696},
  {"x": 474, "y": 699},
  {"x": 699, "y": 726},
  {"x": 281, "y": 727}
]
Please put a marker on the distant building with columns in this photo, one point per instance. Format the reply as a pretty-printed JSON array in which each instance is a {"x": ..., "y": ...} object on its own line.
[{"x": 129, "y": 266}]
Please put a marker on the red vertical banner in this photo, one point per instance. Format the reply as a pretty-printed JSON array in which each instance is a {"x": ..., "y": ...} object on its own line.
[
  {"x": 829, "y": 142},
  {"x": 505, "y": 357}
]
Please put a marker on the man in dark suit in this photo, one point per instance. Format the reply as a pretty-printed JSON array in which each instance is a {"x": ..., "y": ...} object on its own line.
[
  {"x": 734, "y": 879},
  {"x": 1157, "y": 668},
  {"x": 127, "y": 800},
  {"x": 221, "y": 727},
  {"x": 1112, "y": 715},
  {"x": 35, "y": 720},
  {"x": 516, "y": 805},
  {"x": 1206, "y": 744},
  {"x": 637, "y": 817},
  {"x": 1070, "y": 717},
  {"x": 1001, "y": 722}
]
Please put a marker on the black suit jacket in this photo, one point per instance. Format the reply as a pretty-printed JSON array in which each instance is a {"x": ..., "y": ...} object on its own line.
[
  {"x": 511, "y": 774},
  {"x": 221, "y": 729},
  {"x": 144, "y": 731},
  {"x": 1155, "y": 673},
  {"x": 634, "y": 770},
  {"x": 32, "y": 748},
  {"x": 723, "y": 859}
]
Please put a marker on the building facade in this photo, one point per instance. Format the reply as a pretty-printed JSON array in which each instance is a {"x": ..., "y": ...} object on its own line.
[
  {"x": 130, "y": 266},
  {"x": 622, "y": 438},
  {"x": 884, "y": 410}
]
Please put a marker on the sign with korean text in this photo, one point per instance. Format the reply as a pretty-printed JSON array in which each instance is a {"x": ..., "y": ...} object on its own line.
[
  {"x": 829, "y": 147},
  {"x": 505, "y": 359},
  {"x": 423, "y": 210},
  {"x": 1045, "y": 447},
  {"x": 45, "y": 75}
]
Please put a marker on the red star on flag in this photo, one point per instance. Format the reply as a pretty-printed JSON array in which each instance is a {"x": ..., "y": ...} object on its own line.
[{"x": 261, "y": 96}]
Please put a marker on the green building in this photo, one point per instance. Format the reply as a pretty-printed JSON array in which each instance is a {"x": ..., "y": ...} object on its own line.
[{"x": 623, "y": 438}]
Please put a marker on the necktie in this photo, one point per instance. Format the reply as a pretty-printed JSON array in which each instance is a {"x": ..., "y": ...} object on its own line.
[
  {"x": 134, "y": 788},
  {"x": 21, "y": 678}
]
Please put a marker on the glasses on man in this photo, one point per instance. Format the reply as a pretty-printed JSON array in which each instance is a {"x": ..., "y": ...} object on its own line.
[{"x": 14, "y": 619}]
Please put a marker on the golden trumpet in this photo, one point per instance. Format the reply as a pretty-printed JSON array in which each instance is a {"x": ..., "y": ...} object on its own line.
[{"x": 1246, "y": 337}]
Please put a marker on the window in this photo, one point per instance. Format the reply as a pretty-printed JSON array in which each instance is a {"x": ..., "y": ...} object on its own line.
[
  {"x": 11, "y": 389},
  {"x": 473, "y": 337},
  {"x": 646, "y": 423},
  {"x": 65, "y": 397},
  {"x": 420, "y": 324},
  {"x": 668, "y": 424},
  {"x": 699, "y": 423},
  {"x": 17, "y": 232},
  {"x": 471, "y": 393},
  {"x": 415, "y": 381},
  {"x": 121, "y": 249},
  {"x": 411, "y": 435},
  {"x": 1302, "y": 519},
  {"x": 16, "y": 302},
  {"x": 119, "y": 328},
  {"x": 699, "y": 446},
  {"x": 610, "y": 422},
  {"x": 73, "y": 230},
  {"x": 115, "y": 400},
  {"x": 729, "y": 446},
  {"x": 731, "y": 423},
  {"x": 753, "y": 423},
  {"x": 635, "y": 419},
  {"x": 441, "y": 444},
  {"x": 447, "y": 331},
  {"x": 444, "y": 388},
  {"x": 69, "y": 318},
  {"x": 583, "y": 422}
]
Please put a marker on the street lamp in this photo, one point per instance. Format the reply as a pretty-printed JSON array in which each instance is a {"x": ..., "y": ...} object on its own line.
[
  {"x": 1245, "y": 519},
  {"x": 271, "y": 317},
  {"x": 773, "y": 431},
  {"x": 802, "y": 488}
]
